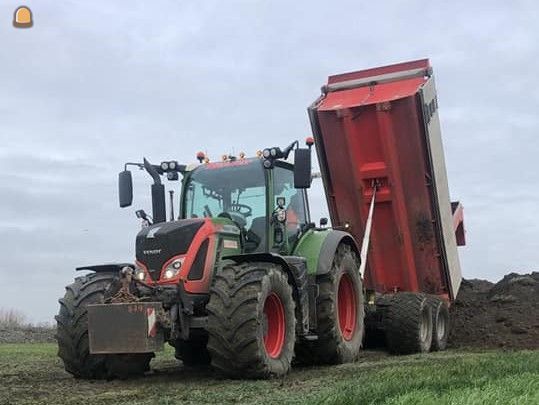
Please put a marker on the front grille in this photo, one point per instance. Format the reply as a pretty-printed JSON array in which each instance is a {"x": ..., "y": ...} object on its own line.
[
  {"x": 157, "y": 244},
  {"x": 197, "y": 269}
]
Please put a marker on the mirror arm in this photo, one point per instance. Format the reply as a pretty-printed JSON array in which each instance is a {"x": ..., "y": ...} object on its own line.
[
  {"x": 152, "y": 172},
  {"x": 139, "y": 165},
  {"x": 289, "y": 149}
]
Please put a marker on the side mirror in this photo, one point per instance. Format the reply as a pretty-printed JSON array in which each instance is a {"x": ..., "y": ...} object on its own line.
[
  {"x": 125, "y": 188},
  {"x": 302, "y": 168},
  {"x": 323, "y": 221}
]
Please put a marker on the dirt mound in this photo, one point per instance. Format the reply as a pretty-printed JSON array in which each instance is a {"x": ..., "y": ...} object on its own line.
[
  {"x": 505, "y": 314},
  {"x": 27, "y": 334}
]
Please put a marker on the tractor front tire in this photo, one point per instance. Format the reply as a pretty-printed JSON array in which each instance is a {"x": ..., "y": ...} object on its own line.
[
  {"x": 408, "y": 323},
  {"x": 72, "y": 334},
  {"x": 440, "y": 323},
  {"x": 251, "y": 321},
  {"x": 340, "y": 313}
]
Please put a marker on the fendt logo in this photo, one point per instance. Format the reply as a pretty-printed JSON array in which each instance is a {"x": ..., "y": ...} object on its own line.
[{"x": 152, "y": 252}]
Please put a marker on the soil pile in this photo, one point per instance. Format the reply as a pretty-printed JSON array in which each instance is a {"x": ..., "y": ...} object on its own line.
[
  {"x": 501, "y": 315},
  {"x": 27, "y": 334}
]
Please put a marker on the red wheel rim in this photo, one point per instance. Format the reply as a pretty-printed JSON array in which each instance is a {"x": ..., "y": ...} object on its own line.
[
  {"x": 346, "y": 301},
  {"x": 275, "y": 325}
]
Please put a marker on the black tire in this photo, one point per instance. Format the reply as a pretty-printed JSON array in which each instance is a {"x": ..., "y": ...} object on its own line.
[
  {"x": 237, "y": 319},
  {"x": 408, "y": 323},
  {"x": 336, "y": 344},
  {"x": 72, "y": 334},
  {"x": 193, "y": 352},
  {"x": 440, "y": 323}
]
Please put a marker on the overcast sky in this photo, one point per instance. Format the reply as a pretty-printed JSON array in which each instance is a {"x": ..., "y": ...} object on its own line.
[{"x": 97, "y": 83}]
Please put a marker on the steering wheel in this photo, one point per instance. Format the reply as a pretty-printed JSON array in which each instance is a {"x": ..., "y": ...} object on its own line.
[{"x": 242, "y": 209}]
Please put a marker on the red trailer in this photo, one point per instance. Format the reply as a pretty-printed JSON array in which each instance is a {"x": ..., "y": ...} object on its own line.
[{"x": 377, "y": 131}]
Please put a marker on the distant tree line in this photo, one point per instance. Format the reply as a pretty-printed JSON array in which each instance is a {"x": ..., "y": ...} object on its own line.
[{"x": 12, "y": 318}]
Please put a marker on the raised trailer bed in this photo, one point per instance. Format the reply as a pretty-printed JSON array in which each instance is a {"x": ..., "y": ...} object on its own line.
[{"x": 377, "y": 131}]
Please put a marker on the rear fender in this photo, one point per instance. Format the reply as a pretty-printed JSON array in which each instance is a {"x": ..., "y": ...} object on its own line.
[{"x": 319, "y": 248}]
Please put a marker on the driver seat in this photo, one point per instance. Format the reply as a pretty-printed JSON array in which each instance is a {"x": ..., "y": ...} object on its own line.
[{"x": 256, "y": 235}]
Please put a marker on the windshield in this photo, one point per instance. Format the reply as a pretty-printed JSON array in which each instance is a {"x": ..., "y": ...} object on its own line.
[{"x": 234, "y": 190}]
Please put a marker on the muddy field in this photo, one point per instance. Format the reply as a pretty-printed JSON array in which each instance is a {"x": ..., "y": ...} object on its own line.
[
  {"x": 32, "y": 374},
  {"x": 486, "y": 317}
]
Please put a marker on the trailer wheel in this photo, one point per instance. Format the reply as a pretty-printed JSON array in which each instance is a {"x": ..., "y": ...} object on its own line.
[
  {"x": 72, "y": 334},
  {"x": 340, "y": 313},
  {"x": 440, "y": 323},
  {"x": 408, "y": 323},
  {"x": 251, "y": 321}
]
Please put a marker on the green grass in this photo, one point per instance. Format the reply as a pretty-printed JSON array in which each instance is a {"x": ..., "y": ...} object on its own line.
[{"x": 32, "y": 374}]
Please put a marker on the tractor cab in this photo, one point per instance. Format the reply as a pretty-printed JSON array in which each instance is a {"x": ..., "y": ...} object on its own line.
[
  {"x": 264, "y": 204},
  {"x": 238, "y": 206}
]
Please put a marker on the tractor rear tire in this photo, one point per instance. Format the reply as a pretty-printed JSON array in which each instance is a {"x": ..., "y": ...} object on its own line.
[
  {"x": 408, "y": 323},
  {"x": 193, "y": 352},
  {"x": 340, "y": 313},
  {"x": 251, "y": 321},
  {"x": 440, "y": 323},
  {"x": 72, "y": 334}
]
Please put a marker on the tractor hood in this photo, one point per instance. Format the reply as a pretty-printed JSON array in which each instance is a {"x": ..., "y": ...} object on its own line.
[{"x": 158, "y": 243}]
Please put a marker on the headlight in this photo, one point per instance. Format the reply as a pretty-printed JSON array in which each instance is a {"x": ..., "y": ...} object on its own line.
[
  {"x": 281, "y": 214},
  {"x": 140, "y": 274},
  {"x": 173, "y": 268}
]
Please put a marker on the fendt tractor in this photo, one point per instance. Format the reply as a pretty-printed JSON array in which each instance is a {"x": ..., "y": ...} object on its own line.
[{"x": 242, "y": 279}]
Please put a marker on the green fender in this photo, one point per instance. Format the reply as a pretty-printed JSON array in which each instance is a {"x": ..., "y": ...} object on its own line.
[{"x": 319, "y": 247}]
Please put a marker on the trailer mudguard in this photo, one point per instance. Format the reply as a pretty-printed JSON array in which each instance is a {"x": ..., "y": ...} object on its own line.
[
  {"x": 319, "y": 247},
  {"x": 106, "y": 268}
]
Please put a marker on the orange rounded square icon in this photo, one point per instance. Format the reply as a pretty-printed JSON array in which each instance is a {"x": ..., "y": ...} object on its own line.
[{"x": 22, "y": 18}]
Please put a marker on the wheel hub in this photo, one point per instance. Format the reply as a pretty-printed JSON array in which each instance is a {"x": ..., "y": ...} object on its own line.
[
  {"x": 440, "y": 327},
  {"x": 274, "y": 326},
  {"x": 347, "y": 307},
  {"x": 424, "y": 327}
]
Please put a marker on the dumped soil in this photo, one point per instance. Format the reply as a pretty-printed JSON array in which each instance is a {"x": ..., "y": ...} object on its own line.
[
  {"x": 501, "y": 315},
  {"x": 27, "y": 334}
]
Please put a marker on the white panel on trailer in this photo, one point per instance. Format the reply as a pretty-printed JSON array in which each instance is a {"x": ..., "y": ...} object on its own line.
[{"x": 442, "y": 202}]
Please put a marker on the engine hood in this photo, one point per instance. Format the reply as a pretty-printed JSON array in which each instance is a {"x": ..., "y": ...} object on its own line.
[{"x": 158, "y": 243}]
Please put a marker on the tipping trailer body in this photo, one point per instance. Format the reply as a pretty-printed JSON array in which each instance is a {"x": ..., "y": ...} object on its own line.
[{"x": 380, "y": 128}]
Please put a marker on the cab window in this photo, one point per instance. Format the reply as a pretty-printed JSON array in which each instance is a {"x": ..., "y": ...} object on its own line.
[{"x": 296, "y": 214}]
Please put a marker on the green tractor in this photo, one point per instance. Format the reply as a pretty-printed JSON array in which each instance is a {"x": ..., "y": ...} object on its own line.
[{"x": 241, "y": 279}]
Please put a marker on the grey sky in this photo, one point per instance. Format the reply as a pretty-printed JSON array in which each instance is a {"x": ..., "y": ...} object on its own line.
[{"x": 96, "y": 83}]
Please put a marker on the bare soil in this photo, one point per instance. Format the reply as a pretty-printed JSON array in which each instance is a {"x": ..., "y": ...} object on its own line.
[{"x": 501, "y": 315}]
